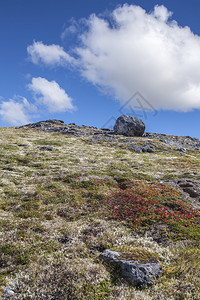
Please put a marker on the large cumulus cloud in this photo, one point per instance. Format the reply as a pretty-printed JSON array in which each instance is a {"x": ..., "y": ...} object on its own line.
[{"x": 133, "y": 50}]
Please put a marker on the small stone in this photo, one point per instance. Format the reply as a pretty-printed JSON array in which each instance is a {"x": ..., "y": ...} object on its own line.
[
  {"x": 7, "y": 292},
  {"x": 99, "y": 235},
  {"x": 135, "y": 148},
  {"x": 147, "y": 148},
  {"x": 150, "y": 150},
  {"x": 48, "y": 148},
  {"x": 182, "y": 149}
]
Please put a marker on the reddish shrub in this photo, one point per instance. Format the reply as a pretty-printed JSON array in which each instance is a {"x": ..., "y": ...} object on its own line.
[{"x": 146, "y": 204}]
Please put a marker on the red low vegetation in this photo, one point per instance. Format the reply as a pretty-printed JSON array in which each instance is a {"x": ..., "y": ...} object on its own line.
[{"x": 146, "y": 204}]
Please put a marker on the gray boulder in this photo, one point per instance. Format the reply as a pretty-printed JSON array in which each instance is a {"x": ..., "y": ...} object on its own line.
[
  {"x": 129, "y": 126},
  {"x": 140, "y": 274}
]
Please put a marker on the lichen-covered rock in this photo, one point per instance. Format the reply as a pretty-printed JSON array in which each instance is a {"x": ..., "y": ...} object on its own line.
[
  {"x": 129, "y": 126},
  {"x": 133, "y": 271}
]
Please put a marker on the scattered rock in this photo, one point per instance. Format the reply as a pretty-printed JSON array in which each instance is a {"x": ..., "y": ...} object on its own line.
[
  {"x": 105, "y": 129},
  {"x": 8, "y": 291},
  {"x": 129, "y": 126},
  {"x": 64, "y": 239},
  {"x": 148, "y": 149},
  {"x": 181, "y": 149},
  {"x": 43, "y": 124},
  {"x": 140, "y": 274},
  {"x": 134, "y": 148},
  {"x": 48, "y": 148}
]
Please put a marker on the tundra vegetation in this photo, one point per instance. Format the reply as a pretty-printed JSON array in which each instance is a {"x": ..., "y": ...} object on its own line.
[{"x": 60, "y": 209}]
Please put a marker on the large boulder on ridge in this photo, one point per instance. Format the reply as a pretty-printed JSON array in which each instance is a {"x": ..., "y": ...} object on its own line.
[{"x": 129, "y": 126}]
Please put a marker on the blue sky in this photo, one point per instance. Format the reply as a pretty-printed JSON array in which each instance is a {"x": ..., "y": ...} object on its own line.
[{"x": 58, "y": 61}]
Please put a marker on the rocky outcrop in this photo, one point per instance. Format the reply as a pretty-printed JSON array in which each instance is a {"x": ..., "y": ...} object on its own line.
[
  {"x": 148, "y": 143},
  {"x": 129, "y": 126},
  {"x": 188, "y": 188},
  {"x": 191, "y": 187},
  {"x": 72, "y": 128},
  {"x": 45, "y": 124},
  {"x": 140, "y": 274}
]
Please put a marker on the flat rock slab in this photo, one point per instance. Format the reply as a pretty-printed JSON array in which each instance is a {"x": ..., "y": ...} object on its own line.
[{"x": 140, "y": 274}]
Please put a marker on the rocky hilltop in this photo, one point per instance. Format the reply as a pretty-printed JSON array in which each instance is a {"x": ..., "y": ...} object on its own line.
[
  {"x": 150, "y": 141},
  {"x": 116, "y": 211}
]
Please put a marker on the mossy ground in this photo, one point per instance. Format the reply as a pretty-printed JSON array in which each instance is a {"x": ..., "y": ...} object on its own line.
[{"x": 55, "y": 222}]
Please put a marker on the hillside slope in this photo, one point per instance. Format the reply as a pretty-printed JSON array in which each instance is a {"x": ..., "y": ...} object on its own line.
[{"x": 69, "y": 192}]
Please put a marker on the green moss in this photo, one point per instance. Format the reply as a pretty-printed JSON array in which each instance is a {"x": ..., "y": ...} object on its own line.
[
  {"x": 179, "y": 231},
  {"x": 14, "y": 254},
  {"x": 24, "y": 214},
  {"x": 99, "y": 292},
  {"x": 136, "y": 253}
]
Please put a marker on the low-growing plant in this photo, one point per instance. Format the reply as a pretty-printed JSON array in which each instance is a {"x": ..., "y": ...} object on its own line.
[{"x": 143, "y": 204}]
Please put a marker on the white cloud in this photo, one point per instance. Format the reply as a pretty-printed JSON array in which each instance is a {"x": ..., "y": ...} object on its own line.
[
  {"x": 135, "y": 51},
  {"x": 15, "y": 111},
  {"x": 162, "y": 13},
  {"x": 51, "y": 95},
  {"x": 51, "y": 55},
  {"x": 145, "y": 52},
  {"x": 47, "y": 94},
  {"x": 70, "y": 30}
]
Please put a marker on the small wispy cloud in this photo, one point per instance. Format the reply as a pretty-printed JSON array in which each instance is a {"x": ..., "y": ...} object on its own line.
[
  {"x": 47, "y": 96},
  {"x": 50, "y": 95},
  {"x": 16, "y": 111},
  {"x": 51, "y": 55},
  {"x": 70, "y": 30}
]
